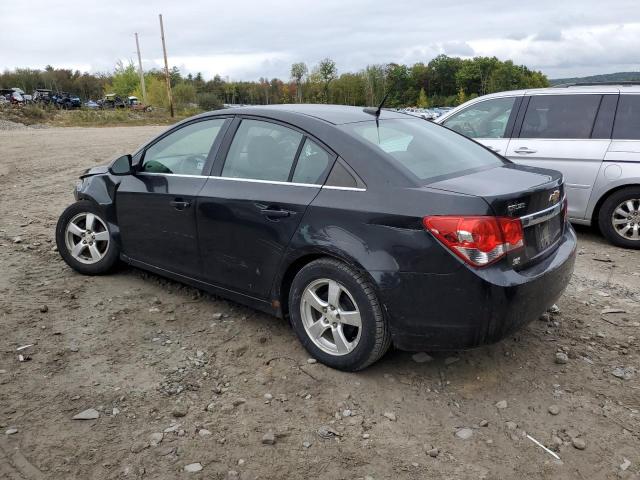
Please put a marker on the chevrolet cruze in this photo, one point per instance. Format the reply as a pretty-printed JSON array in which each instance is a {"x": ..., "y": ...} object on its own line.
[{"x": 364, "y": 227}]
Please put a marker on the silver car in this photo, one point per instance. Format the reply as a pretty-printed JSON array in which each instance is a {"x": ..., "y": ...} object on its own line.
[{"x": 591, "y": 133}]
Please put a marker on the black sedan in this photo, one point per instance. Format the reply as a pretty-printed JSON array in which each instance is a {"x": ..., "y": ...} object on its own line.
[{"x": 364, "y": 228}]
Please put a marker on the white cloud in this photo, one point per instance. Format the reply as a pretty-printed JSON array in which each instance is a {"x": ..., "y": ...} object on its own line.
[
  {"x": 247, "y": 39},
  {"x": 578, "y": 50}
]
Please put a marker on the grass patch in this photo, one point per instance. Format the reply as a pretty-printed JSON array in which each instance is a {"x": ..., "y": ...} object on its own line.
[{"x": 33, "y": 114}]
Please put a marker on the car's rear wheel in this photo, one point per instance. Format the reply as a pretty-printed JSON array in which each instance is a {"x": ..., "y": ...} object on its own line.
[
  {"x": 336, "y": 314},
  {"x": 84, "y": 240},
  {"x": 619, "y": 218}
]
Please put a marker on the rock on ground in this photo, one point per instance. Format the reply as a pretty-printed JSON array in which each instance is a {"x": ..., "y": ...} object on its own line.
[{"x": 89, "y": 414}]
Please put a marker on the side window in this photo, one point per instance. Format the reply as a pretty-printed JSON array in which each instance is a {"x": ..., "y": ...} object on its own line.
[
  {"x": 262, "y": 151},
  {"x": 560, "y": 116},
  {"x": 184, "y": 151},
  {"x": 312, "y": 163},
  {"x": 486, "y": 119},
  {"x": 627, "y": 124},
  {"x": 604, "y": 121},
  {"x": 341, "y": 177}
]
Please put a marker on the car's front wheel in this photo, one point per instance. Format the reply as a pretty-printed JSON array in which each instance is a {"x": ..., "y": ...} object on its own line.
[
  {"x": 619, "y": 218},
  {"x": 336, "y": 314},
  {"x": 84, "y": 240}
]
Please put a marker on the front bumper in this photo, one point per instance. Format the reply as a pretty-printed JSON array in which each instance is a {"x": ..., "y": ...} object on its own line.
[{"x": 469, "y": 307}]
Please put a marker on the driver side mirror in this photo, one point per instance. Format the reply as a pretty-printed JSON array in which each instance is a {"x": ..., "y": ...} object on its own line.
[{"x": 121, "y": 166}]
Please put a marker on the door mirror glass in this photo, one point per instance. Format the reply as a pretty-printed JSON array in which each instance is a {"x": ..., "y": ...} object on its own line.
[
  {"x": 121, "y": 166},
  {"x": 486, "y": 119}
]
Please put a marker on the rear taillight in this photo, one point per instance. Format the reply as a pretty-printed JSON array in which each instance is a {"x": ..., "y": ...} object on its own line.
[{"x": 479, "y": 241}]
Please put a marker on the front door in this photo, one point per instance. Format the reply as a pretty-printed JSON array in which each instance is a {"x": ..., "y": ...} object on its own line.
[
  {"x": 156, "y": 205},
  {"x": 249, "y": 210},
  {"x": 488, "y": 122},
  {"x": 560, "y": 132}
]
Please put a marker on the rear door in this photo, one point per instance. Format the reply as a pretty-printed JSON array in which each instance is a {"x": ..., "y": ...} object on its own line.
[
  {"x": 563, "y": 132},
  {"x": 625, "y": 146},
  {"x": 252, "y": 204},
  {"x": 488, "y": 121},
  {"x": 156, "y": 205}
]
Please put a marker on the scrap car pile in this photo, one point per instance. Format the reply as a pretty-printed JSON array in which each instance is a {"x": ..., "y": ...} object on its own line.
[{"x": 44, "y": 97}]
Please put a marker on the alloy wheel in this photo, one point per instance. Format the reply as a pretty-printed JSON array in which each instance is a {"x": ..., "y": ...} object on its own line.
[
  {"x": 626, "y": 219},
  {"x": 87, "y": 238},
  {"x": 331, "y": 317}
]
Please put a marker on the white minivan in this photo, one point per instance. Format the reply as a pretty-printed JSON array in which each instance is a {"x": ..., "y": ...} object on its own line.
[{"x": 589, "y": 132}]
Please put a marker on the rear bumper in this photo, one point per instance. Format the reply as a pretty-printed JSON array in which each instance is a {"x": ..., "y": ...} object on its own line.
[{"x": 469, "y": 308}]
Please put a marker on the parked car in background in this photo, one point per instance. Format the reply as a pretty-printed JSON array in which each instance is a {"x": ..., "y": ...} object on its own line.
[
  {"x": 42, "y": 96},
  {"x": 591, "y": 133},
  {"x": 67, "y": 100},
  {"x": 13, "y": 96},
  {"x": 91, "y": 105},
  {"x": 423, "y": 113},
  {"x": 134, "y": 104},
  {"x": 111, "y": 100},
  {"x": 364, "y": 228}
]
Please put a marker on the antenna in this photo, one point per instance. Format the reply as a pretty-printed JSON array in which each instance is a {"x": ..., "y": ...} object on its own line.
[{"x": 376, "y": 112}]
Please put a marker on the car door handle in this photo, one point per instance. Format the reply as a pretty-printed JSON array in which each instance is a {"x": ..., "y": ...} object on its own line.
[
  {"x": 524, "y": 151},
  {"x": 275, "y": 213},
  {"x": 180, "y": 204}
]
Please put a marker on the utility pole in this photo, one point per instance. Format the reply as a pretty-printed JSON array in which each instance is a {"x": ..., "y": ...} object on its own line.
[
  {"x": 166, "y": 68},
  {"x": 142, "y": 86}
]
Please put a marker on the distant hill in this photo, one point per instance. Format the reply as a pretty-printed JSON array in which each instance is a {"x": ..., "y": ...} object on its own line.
[{"x": 607, "y": 77}]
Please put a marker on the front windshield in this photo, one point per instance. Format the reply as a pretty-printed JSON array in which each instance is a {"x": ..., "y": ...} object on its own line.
[{"x": 425, "y": 149}]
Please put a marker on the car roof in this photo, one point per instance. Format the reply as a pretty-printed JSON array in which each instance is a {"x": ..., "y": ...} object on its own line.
[
  {"x": 558, "y": 90},
  {"x": 334, "y": 114},
  {"x": 569, "y": 89}
]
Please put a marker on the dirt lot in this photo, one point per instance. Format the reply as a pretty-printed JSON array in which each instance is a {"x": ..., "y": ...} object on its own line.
[{"x": 178, "y": 377}]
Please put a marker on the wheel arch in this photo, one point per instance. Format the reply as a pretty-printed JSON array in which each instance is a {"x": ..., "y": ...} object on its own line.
[
  {"x": 100, "y": 190},
  {"x": 596, "y": 209},
  {"x": 294, "y": 264}
]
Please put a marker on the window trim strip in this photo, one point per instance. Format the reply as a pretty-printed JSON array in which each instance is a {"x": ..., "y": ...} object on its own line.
[
  {"x": 542, "y": 215},
  {"x": 255, "y": 180}
]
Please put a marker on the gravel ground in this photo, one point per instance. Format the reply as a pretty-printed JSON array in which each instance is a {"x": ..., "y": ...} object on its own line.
[{"x": 174, "y": 383}]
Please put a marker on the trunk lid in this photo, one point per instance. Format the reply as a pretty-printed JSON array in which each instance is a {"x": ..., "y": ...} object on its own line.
[{"x": 532, "y": 194}]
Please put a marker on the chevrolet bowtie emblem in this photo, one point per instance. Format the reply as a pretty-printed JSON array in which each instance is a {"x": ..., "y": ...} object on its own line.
[{"x": 554, "y": 197}]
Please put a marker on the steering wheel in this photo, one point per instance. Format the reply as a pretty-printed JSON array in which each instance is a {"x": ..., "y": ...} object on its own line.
[{"x": 192, "y": 165}]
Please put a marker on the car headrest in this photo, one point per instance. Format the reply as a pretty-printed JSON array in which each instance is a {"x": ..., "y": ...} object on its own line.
[{"x": 263, "y": 152}]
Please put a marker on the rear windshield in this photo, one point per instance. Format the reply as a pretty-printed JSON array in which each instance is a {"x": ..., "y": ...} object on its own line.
[{"x": 425, "y": 149}]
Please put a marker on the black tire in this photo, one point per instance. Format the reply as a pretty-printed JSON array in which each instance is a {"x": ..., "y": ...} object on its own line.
[
  {"x": 605, "y": 216},
  {"x": 375, "y": 337},
  {"x": 111, "y": 254}
]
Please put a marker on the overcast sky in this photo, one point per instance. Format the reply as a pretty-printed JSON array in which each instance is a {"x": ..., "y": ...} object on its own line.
[{"x": 248, "y": 39}]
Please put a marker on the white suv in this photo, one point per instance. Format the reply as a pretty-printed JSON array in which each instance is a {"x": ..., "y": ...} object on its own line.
[{"x": 591, "y": 133}]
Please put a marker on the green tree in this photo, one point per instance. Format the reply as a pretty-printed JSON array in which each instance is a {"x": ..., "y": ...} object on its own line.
[
  {"x": 327, "y": 71},
  {"x": 443, "y": 70},
  {"x": 422, "y": 99},
  {"x": 375, "y": 84},
  {"x": 184, "y": 94},
  {"x": 461, "y": 97},
  {"x": 298, "y": 71},
  {"x": 125, "y": 80}
]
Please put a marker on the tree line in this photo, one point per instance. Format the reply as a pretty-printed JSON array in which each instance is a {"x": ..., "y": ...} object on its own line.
[{"x": 443, "y": 81}]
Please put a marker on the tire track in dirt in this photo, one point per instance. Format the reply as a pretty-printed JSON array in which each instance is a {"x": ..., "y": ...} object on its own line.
[{"x": 14, "y": 465}]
